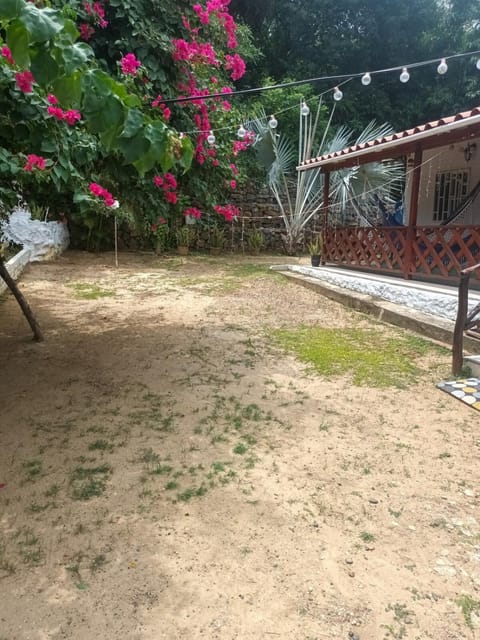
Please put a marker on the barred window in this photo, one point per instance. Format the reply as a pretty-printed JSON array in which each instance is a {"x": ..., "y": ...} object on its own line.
[{"x": 451, "y": 188}]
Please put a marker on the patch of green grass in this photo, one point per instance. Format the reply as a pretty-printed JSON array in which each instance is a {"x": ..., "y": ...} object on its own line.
[
  {"x": 29, "y": 547},
  {"x": 192, "y": 492},
  {"x": 468, "y": 606},
  {"x": 240, "y": 449},
  {"x": 88, "y": 482},
  {"x": 170, "y": 486},
  {"x": 367, "y": 537},
  {"x": 32, "y": 468},
  {"x": 161, "y": 469},
  {"x": 89, "y": 291},
  {"x": 98, "y": 562},
  {"x": 373, "y": 358},
  {"x": 100, "y": 445}
]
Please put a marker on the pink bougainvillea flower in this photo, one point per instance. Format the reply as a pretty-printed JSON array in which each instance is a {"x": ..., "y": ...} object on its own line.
[
  {"x": 56, "y": 112},
  {"x": 158, "y": 180},
  {"x": 86, "y": 31},
  {"x": 72, "y": 116},
  {"x": 24, "y": 81},
  {"x": 234, "y": 169},
  {"x": 34, "y": 161},
  {"x": 7, "y": 54},
  {"x": 194, "y": 212},
  {"x": 101, "y": 192},
  {"x": 226, "y": 105},
  {"x": 130, "y": 64},
  {"x": 171, "y": 197},
  {"x": 51, "y": 99},
  {"x": 233, "y": 184},
  {"x": 236, "y": 65},
  {"x": 228, "y": 211},
  {"x": 170, "y": 180}
]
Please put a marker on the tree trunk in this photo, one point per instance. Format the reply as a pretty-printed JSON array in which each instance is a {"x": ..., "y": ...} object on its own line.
[{"x": 12, "y": 285}]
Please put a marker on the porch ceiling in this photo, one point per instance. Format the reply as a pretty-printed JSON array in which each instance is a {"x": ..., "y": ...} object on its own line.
[{"x": 453, "y": 129}]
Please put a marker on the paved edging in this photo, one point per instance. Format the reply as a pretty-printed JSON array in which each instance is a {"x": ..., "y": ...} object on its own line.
[
  {"x": 428, "y": 326},
  {"x": 15, "y": 266}
]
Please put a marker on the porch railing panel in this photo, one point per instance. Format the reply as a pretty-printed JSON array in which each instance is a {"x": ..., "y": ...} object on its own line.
[{"x": 436, "y": 252}]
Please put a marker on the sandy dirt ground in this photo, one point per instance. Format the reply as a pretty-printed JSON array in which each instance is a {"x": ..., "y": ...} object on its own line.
[{"x": 167, "y": 471}]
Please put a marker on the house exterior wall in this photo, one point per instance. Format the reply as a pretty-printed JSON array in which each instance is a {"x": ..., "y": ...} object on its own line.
[{"x": 449, "y": 158}]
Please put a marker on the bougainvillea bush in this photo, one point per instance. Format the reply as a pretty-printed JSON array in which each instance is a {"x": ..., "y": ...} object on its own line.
[{"x": 87, "y": 128}]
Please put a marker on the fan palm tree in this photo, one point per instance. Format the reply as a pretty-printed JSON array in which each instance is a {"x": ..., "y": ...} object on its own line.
[{"x": 356, "y": 188}]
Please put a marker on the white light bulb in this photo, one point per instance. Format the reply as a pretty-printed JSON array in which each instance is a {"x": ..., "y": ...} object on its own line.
[
  {"x": 241, "y": 132},
  {"x": 305, "y": 109},
  {"x": 366, "y": 79},
  {"x": 404, "y": 76},
  {"x": 337, "y": 94},
  {"x": 442, "y": 67},
  {"x": 478, "y": 64},
  {"x": 211, "y": 139},
  {"x": 272, "y": 123}
]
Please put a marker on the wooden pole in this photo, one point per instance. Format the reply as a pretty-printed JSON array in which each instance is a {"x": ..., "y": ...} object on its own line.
[
  {"x": 462, "y": 310},
  {"x": 27, "y": 312},
  {"x": 413, "y": 212},
  {"x": 326, "y": 203}
]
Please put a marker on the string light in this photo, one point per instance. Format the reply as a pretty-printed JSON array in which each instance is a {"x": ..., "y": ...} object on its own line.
[
  {"x": 305, "y": 109},
  {"x": 337, "y": 94},
  {"x": 366, "y": 79},
  {"x": 272, "y": 123},
  {"x": 211, "y": 139},
  {"x": 333, "y": 78},
  {"x": 442, "y": 67},
  {"x": 241, "y": 133},
  {"x": 404, "y": 76}
]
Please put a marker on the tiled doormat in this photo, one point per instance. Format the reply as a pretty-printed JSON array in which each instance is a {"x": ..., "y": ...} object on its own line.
[{"x": 466, "y": 390}]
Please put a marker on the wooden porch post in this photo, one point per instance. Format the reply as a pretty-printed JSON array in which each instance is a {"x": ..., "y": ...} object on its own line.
[
  {"x": 413, "y": 212},
  {"x": 326, "y": 198}
]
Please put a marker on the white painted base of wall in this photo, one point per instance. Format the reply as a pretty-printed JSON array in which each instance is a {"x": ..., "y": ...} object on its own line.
[
  {"x": 436, "y": 300},
  {"x": 15, "y": 266}
]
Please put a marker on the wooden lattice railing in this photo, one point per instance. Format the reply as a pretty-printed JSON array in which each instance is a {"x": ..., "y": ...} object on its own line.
[
  {"x": 466, "y": 321},
  {"x": 428, "y": 252}
]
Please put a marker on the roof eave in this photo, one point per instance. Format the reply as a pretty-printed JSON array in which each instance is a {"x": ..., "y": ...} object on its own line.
[{"x": 428, "y": 139}]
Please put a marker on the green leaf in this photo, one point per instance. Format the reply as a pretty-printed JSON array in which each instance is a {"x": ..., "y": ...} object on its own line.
[
  {"x": 103, "y": 114},
  {"x": 76, "y": 55},
  {"x": 109, "y": 137},
  {"x": 11, "y": 8},
  {"x": 49, "y": 146},
  {"x": 133, "y": 148},
  {"x": 70, "y": 30},
  {"x": 68, "y": 89},
  {"x": 81, "y": 196},
  {"x": 41, "y": 24},
  {"x": 187, "y": 154},
  {"x": 17, "y": 40},
  {"x": 145, "y": 163},
  {"x": 44, "y": 68},
  {"x": 133, "y": 123}
]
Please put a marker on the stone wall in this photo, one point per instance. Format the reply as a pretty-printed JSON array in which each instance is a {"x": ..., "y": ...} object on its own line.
[{"x": 259, "y": 209}]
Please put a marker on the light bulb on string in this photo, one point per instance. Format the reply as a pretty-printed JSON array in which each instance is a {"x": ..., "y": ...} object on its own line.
[
  {"x": 478, "y": 64},
  {"x": 337, "y": 94},
  {"x": 366, "y": 79},
  {"x": 404, "y": 76},
  {"x": 241, "y": 132},
  {"x": 305, "y": 109},
  {"x": 272, "y": 123},
  {"x": 442, "y": 67},
  {"x": 211, "y": 139}
]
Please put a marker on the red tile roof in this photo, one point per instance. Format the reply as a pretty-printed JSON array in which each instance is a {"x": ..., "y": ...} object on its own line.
[{"x": 396, "y": 140}]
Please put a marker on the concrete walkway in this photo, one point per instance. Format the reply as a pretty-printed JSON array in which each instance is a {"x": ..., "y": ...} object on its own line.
[{"x": 427, "y": 309}]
